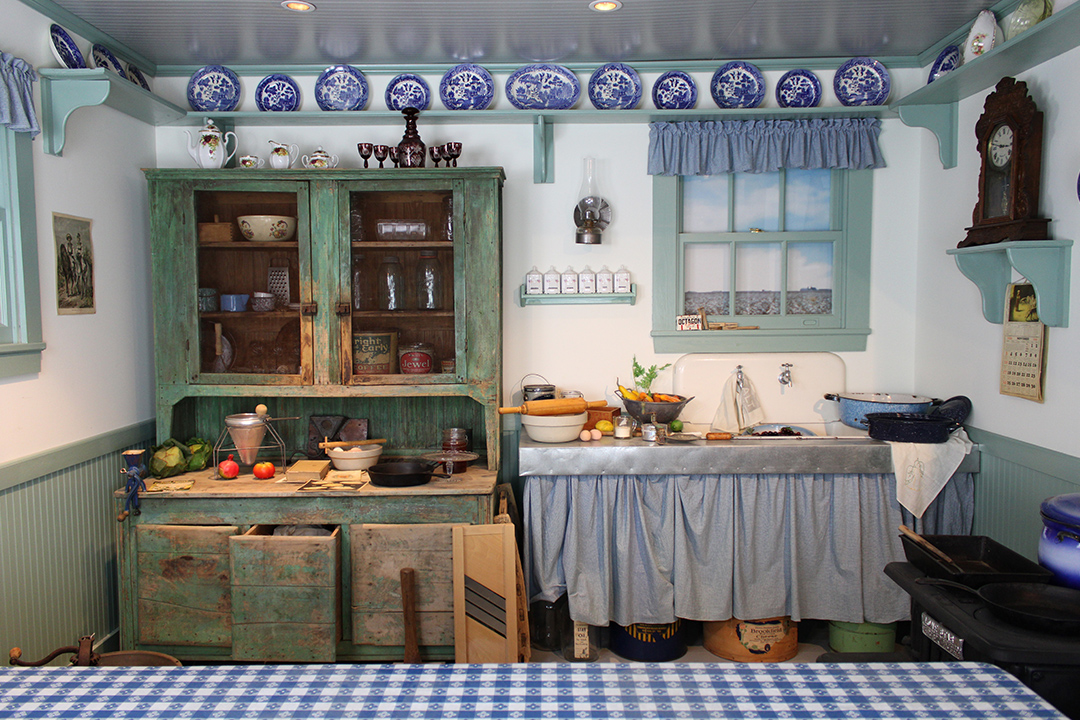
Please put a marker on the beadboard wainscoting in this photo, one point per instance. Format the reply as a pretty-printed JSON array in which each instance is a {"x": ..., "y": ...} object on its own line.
[
  {"x": 58, "y": 534},
  {"x": 1013, "y": 480}
]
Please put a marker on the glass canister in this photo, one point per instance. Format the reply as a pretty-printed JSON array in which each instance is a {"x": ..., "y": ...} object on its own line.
[
  {"x": 456, "y": 440},
  {"x": 391, "y": 284},
  {"x": 428, "y": 281},
  {"x": 624, "y": 427},
  {"x": 416, "y": 358},
  {"x": 580, "y": 642},
  {"x": 360, "y": 299}
]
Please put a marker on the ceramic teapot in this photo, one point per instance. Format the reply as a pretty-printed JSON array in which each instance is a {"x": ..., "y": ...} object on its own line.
[
  {"x": 208, "y": 150},
  {"x": 282, "y": 156},
  {"x": 320, "y": 159}
]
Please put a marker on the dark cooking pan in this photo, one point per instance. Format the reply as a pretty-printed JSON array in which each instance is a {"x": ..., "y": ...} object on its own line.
[
  {"x": 403, "y": 474},
  {"x": 1035, "y": 606}
]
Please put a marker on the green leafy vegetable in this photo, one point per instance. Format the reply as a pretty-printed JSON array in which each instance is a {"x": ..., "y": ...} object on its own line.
[
  {"x": 643, "y": 379},
  {"x": 169, "y": 458},
  {"x": 200, "y": 453}
]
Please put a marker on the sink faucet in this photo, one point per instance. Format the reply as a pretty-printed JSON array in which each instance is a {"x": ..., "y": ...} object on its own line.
[{"x": 784, "y": 378}]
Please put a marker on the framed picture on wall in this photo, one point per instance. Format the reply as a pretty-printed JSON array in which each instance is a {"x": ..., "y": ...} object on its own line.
[{"x": 74, "y": 265}]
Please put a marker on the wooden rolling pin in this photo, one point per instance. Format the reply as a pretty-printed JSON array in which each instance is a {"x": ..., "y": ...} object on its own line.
[
  {"x": 350, "y": 443},
  {"x": 562, "y": 406}
]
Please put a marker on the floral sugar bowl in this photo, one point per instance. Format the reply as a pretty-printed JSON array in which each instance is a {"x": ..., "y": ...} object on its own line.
[
  {"x": 320, "y": 159},
  {"x": 282, "y": 155},
  {"x": 208, "y": 148}
]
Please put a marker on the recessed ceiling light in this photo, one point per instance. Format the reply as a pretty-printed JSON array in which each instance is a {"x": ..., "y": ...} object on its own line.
[
  {"x": 298, "y": 6},
  {"x": 605, "y": 5}
]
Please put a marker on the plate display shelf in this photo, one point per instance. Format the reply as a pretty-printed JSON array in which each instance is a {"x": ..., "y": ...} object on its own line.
[
  {"x": 1045, "y": 263},
  {"x": 579, "y": 298},
  {"x": 932, "y": 106}
]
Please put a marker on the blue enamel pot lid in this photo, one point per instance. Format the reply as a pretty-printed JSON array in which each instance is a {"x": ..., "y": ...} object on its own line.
[{"x": 1064, "y": 509}]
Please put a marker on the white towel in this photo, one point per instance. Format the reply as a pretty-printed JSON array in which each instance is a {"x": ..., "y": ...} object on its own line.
[
  {"x": 922, "y": 469},
  {"x": 739, "y": 407}
]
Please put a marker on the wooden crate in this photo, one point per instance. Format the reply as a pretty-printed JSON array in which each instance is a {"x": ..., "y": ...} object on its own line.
[
  {"x": 603, "y": 413},
  {"x": 286, "y": 596},
  {"x": 216, "y": 232},
  {"x": 184, "y": 596}
]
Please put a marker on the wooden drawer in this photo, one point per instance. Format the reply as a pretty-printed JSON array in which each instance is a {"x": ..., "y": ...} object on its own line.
[
  {"x": 378, "y": 553},
  {"x": 286, "y": 596},
  {"x": 183, "y": 591}
]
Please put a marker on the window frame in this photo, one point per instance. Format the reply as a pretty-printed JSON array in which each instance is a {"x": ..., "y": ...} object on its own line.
[
  {"x": 852, "y": 199},
  {"x": 21, "y": 344}
]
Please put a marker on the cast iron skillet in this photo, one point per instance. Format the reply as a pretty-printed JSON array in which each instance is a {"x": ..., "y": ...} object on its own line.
[
  {"x": 403, "y": 474},
  {"x": 1035, "y": 606}
]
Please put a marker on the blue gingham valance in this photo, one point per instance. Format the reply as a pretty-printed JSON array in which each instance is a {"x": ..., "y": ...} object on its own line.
[
  {"x": 17, "y": 95},
  {"x": 755, "y": 146}
]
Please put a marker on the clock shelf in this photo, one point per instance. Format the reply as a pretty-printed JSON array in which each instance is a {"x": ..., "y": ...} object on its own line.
[{"x": 1045, "y": 263}]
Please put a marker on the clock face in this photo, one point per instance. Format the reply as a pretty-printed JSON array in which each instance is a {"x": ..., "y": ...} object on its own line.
[{"x": 1000, "y": 147}]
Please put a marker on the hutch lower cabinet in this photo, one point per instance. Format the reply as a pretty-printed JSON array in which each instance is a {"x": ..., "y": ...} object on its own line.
[
  {"x": 262, "y": 571},
  {"x": 370, "y": 294}
]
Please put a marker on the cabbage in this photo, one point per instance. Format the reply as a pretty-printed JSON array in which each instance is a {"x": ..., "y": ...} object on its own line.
[
  {"x": 169, "y": 458},
  {"x": 200, "y": 453}
]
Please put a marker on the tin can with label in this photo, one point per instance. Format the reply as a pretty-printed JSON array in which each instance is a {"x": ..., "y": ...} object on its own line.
[
  {"x": 416, "y": 358},
  {"x": 374, "y": 352}
]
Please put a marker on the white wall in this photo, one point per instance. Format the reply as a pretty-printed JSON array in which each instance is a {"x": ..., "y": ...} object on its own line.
[
  {"x": 956, "y": 350},
  {"x": 97, "y": 370}
]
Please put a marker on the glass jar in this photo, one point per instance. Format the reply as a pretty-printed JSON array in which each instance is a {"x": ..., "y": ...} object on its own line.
[
  {"x": 580, "y": 642},
  {"x": 534, "y": 282},
  {"x": 428, "y": 281},
  {"x": 416, "y": 358},
  {"x": 360, "y": 299},
  {"x": 391, "y": 284},
  {"x": 568, "y": 282},
  {"x": 622, "y": 280},
  {"x": 456, "y": 440},
  {"x": 605, "y": 280},
  {"x": 552, "y": 281},
  {"x": 586, "y": 281},
  {"x": 624, "y": 427}
]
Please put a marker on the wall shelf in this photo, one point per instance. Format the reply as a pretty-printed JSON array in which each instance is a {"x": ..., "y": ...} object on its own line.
[
  {"x": 1045, "y": 263},
  {"x": 64, "y": 91},
  {"x": 933, "y": 106},
  {"x": 579, "y": 299}
]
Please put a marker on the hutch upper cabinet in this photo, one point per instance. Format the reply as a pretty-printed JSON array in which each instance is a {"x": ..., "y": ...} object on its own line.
[{"x": 381, "y": 261}]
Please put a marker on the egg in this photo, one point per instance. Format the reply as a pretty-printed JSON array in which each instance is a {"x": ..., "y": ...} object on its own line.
[
  {"x": 596, "y": 434},
  {"x": 585, "y": 435}
]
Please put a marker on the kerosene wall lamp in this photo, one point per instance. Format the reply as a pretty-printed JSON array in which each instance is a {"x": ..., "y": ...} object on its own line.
[{"x": 592, "y": 213}]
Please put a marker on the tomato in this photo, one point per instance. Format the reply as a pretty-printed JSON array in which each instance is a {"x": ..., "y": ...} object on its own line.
[{"x": 263, "y": 470}]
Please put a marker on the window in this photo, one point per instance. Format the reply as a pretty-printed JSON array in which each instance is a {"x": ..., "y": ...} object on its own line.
[
  {"x": 20, "y": 300},
  {"x": 784, "y": 255}
]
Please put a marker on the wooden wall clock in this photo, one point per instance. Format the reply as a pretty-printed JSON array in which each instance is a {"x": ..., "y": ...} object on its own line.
[{"x": 1009, "y": 134}]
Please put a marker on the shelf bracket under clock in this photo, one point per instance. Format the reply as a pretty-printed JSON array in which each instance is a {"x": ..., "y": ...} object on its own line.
[
  {"x": 942, "y": 120},
  {"x": 1045, "y": 263}
]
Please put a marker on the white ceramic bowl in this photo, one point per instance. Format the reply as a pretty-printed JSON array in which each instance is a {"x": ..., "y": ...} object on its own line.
[
  {"x": 267, "y": 228},
  {"x": 359, "y": 457},
  {"x": 554, "y": 428}
]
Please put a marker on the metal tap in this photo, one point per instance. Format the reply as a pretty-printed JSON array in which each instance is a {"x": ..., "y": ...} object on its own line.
[{"x": 784, "y": 378}]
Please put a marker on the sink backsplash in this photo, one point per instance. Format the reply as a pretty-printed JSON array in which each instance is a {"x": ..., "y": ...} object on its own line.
[{"x": 703, "y": 376}]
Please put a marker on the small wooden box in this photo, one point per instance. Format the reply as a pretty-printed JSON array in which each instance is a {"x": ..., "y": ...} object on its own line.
[
  {"x": 604, "y": 413},
  {"x": 304, "y": 470},
  {"x": 216, "y": 232}
]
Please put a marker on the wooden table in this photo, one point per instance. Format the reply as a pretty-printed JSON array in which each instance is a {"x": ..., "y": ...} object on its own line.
[{"x": 204, "y": 577}]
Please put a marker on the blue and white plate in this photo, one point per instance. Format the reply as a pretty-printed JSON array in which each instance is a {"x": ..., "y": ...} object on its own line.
[
  {"x": 738, "y": 84},
  {"x": 103, "y": 58},
  {"x": 467, "y": 87},
  {"x": 615, "y": 86},
  {"x": 862, "y": 81},
  {"x": 64, "y": 48},
  {"x": 213, "y": 88},
  {"x": 543, "y": 87},
  {"x": 674, "y": 90},
  {"x": 408, "y": 90},
  {"x": 277, "y": 93},
  {"x": 798, "y": 89},
  {"x": 341, "y": 87},
  {"x": 135, "y": 75},
  {"x": 946, "y": 62}
]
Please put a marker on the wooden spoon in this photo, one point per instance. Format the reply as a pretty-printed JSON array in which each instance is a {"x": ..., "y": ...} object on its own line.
[{"x": 929, "y": 547}]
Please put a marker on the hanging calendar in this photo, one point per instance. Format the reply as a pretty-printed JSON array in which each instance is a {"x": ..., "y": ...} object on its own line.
[{"x": 1023, "y": 359}]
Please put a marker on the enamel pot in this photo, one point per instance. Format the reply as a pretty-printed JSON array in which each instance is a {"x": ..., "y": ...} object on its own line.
[
  {"x": 855, "y": 406},
  {"x": 1059, "y": 546}
]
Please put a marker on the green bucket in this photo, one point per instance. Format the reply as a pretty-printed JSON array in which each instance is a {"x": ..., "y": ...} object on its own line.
[{"x": 862, "y": 637}]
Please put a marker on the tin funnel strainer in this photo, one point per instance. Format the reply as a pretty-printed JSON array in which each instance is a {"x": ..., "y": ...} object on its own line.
[{"x": 247, "y": 431}]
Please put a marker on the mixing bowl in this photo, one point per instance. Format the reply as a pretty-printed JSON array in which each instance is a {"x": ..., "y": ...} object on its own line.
[
  {"x": 554, "y": 428},
  {"x": 359, "y": 457},
  {"x": 267, "y": 228}
]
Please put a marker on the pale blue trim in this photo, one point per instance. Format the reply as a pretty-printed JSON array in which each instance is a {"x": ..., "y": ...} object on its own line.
[{"x": 756, "y": 146}]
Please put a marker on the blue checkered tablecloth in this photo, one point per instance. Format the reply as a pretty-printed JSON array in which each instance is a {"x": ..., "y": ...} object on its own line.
[{"x": 971, "y": 691}]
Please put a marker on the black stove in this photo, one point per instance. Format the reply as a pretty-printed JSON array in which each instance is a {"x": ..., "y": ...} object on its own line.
[{"x": 949, "y": 624}]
